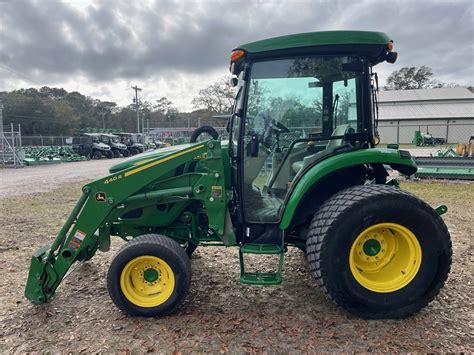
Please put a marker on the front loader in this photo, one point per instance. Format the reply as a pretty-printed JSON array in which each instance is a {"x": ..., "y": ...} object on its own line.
[{"x": 300, "y": 169}]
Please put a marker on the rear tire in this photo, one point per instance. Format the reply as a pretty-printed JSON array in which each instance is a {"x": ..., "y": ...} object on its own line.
[
  {"x": 149, "y": 276},
  {"x": 109, "y": 154},
  {"x": 378, "y": 251},
  {"x": 134, "y": 151},
  {"x": 116, "y": 153},
  {"x": 125, "y": 153}
]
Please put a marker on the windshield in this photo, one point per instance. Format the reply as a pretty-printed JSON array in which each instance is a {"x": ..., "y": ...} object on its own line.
[
  {"x": 299, "y": 111},
  {"x": 308, "y": 95}
]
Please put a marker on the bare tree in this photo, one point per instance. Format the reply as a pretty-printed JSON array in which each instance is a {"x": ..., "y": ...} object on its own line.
[
  {"x": 217, "y": 98},
  {"x": 409, "y": 78}
]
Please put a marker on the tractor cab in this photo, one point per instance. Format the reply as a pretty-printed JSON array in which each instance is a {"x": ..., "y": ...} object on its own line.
[{"x": 300, "y": 100}]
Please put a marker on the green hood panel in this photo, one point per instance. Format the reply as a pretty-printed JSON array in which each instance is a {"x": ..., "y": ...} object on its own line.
[
  {"x": 398, "y": 160},
  {"x": 144, "y": 157}
]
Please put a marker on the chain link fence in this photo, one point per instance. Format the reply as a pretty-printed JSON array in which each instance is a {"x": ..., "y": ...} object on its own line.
[
  {"x": 180, "y": 134},
  {"x": 11, "y": 149},
  {"x": 403, "y": 132}
]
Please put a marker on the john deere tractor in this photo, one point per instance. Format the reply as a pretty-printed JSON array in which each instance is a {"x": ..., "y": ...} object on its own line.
[{"x": 300, "y": 169}]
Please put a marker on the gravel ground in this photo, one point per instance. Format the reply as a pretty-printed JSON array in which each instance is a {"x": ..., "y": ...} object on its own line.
[
  {"x": 219, "y": 314},
  {"x": 41, "y": 178}
]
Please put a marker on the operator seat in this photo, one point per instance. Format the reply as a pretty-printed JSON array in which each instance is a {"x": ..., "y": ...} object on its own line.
[{"x": 332, "y": 144}]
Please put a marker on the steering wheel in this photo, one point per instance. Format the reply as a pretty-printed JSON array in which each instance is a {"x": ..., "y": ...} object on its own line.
[
  {"x": 271, "y": 126},
  {"x": 278, "y": 127}
]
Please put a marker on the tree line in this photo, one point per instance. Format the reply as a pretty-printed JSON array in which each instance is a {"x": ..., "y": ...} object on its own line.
[{"x": 55, "y": 111}]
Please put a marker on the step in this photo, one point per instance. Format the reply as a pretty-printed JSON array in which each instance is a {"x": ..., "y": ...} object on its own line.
[
  {"x": 251, "y": 248},
  {"x": 261, "y": 278}
]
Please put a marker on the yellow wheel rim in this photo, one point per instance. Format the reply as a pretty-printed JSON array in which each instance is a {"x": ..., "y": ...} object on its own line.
[
  {"x": 147, "y": 281},
  {"x": 385, "y": 257}
]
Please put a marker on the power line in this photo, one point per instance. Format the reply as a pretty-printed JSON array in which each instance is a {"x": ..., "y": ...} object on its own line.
[
  {"x": 33, "y": 117},
  {"x": 19, "y": 74}
]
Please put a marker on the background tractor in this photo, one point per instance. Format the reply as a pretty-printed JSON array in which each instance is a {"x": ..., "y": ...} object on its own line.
[{"x": 300, "y": 169}]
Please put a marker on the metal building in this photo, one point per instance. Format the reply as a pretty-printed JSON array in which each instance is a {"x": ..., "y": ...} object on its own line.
[{"x": 445, "y": 113}]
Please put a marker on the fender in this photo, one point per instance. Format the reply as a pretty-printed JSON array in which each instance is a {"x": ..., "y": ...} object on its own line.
[{"x": 398, "y": 160}]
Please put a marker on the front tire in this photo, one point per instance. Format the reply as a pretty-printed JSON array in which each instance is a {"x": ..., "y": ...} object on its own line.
[
  {"x": 149, "y": 276},
  {"x": 96, "y": 154},
  {"x": 378, "y": 251}
]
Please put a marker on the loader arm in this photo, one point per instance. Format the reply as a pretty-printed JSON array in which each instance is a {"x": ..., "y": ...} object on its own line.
[{"x": 104, "y": 200}]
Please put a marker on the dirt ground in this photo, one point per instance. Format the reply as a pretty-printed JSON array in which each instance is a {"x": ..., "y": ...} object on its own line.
[{"x": 219, "y": 313}]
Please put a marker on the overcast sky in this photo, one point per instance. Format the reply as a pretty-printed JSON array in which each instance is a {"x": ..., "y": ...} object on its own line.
[{"x": 175, "y": 48}]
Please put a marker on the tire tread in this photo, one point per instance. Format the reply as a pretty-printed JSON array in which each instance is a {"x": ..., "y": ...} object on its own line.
[{"x": 334, "y": 209}]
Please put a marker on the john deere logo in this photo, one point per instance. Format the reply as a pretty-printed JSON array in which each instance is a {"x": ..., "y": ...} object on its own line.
[{"x": 100, "y": 197}]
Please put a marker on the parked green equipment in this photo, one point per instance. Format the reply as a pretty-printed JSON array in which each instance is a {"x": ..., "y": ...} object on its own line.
[
  {"x": 376, "y": 250},
  {"x": 422, "y": 139},
  {"x": 40, "y": 155}
]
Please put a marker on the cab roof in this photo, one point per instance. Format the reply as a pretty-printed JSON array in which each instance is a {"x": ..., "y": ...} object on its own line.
[{"x": 312, "y": 39}]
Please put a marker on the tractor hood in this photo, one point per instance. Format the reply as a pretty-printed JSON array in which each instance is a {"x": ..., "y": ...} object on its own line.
[{"x": 143, "y": 157}]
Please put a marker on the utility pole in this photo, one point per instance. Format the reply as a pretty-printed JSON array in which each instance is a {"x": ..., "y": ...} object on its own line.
[
  {"x": 1, "y": 122},
  {"x": 103, "y": 119},
  {"x": 137, "y": 89}
]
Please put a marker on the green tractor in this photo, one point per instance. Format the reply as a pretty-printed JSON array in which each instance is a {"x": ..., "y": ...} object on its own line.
[{"x": 300, "y": 169}]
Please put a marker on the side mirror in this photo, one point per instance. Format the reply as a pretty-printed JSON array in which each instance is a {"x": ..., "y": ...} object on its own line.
[{"x": 391, "y": 57}]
